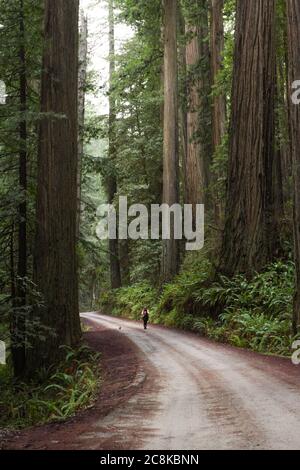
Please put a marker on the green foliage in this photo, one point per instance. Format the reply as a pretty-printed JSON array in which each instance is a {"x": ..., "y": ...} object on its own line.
[
  {"x": 92, "y": 252},
  {"x": 254, "y": 314},
  {"x": 11, "y": 145},
  {"x": 55, "y": 394},
  {"x": 137, "y": 92},
  {"x": 179, "y": 296},
  {"x": 129, "y": 301}
]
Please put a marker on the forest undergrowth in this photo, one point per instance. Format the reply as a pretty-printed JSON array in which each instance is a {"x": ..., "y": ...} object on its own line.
[
  {"x": 55, "y": 394},
  {"x": 254, "y": 314}
]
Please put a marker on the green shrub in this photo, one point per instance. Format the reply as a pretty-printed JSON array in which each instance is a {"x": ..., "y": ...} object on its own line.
[
  {"x": 254, "y": 314},
  {"x": 180, "y": 294},
  {"x": 53, "y": 395},
  {"x": 128, "y": 301}
]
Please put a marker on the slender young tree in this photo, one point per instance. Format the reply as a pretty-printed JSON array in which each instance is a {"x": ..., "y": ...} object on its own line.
[
  {"x": 205, "y": 91},
  {"x": 55, "y": 263},
  {"x": 249, "y": 235},
  {"x": 82, "y": 76},
  {"x": 219, "y": 101},
  {"x": 293, "y": 13},
  {"x": 182, "y": 91},
  {"x": 171, "y": 142},
  {"x": 217, "y": 50},
  {"x": 115, "y": 270},
  {"x": 18, "y": 323}
]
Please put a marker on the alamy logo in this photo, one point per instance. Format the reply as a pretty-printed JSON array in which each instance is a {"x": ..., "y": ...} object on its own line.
[
  {"x": 2, "y": 353},
  {"x": 296, "y": 353},
  {"x": 163, "y": 222},
  {"x": 296, "y": 94},
  {"x": 3, "y": 94}
]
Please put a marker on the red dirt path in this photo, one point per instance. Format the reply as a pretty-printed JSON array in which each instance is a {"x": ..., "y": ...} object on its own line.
[{"x": 121, "y": 362}]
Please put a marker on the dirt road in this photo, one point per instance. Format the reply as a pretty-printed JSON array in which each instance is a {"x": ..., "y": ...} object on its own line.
[
  {"x": 175, "y": 390},
  {"x": 210, "y": 396}
]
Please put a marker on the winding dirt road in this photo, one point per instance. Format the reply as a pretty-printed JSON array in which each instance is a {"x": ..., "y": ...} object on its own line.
[
  {"x": 209, "y": 396},
  {"x": 169, "y": 390}
]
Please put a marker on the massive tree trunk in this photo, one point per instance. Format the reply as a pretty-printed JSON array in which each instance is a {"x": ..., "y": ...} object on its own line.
[
  {"x": 55, "y": 263},
  {"x": 198, "y": 106},
  {"x": 170, "y": 152},
  {"x": 293, "y": 10},
  {"x": 82, "y": 75},
  {"x": 194, "y": 170},
  {"x": 115, "y": 270},
  {"x": 18, "y": 322},
  {"x": 250, "y": 233}
]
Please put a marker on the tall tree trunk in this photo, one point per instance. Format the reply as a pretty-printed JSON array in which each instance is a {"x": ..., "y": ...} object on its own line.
[
  {"x": 170, "y": 254},
  {"x": 293, "y": 11},
  {"x": 198, "y": 106},
  {"x": 12, "y": 286},
  {"x": 205, "y": 100},
  {"x": 250, "y": 235},
  {"x": 125, "y": 262},
  {"x": 195, "y": 178},
  {"x": 18, "y": 326},
  {"x": 115, "y": 270},
  {"x": 55, "y": 262},
  {"x": 217, "y": 51},
  {"x": 182, "y": 107},
  {"x": 219, "y": 101},
  {"x": 83, "y": 50}
]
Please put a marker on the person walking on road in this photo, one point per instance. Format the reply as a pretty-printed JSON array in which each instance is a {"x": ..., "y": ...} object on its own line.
[{"x": 145, "y": 317}]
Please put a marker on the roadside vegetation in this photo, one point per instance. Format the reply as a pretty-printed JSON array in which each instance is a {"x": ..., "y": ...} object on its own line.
[
  {"x": 254, "y": 314},
  {"x": 55, "y": 394}
]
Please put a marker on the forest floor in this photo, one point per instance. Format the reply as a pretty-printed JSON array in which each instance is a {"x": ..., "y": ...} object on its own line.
[{"x": 168, "y": 389}]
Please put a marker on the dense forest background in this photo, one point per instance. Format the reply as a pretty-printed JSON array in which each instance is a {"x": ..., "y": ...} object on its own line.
[{"x": 200, "y": 111}]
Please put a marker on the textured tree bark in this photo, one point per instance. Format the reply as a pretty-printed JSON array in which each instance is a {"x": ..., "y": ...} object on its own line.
[
  {"x": 293, "y": 12},
  {"x": 205, "y": 106},
  {"x": 284, "y": 166},
  {"x": 170, "y": 250},
  {"x": 18, "y": 321},
  {"x": 217, "y": 50},
  {"x": 82, "y": 75},
  {"x": 182, "y": 107},
  {"x": 124, "y": 253},
  {"x": 199, "y": 145},
  {"x": 219, "y": 102},
  {"x": 195, "y": 165},
  {"x": 250, "y": 232},
  {"x": 55, "y": 262},
  {"x": 115, "y": 270}
]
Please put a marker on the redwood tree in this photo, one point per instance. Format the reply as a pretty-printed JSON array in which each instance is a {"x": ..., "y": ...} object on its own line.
[
  {"x": 55, "y": 264},
  {"x": 111, "y": 180},
  {"x": 198, "y": 125},
  {"x": 217, "y": 43},
  {"x": 82, "y": 78},
  {"x": 217, "y": 50},
  {"x": 195, "y": 158},
  {"x": 250, "y": 232},
  {"x": 170, "y": 257},
  {"x": 293, "y": 11},
  {"x": 19, "y": 315}
]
